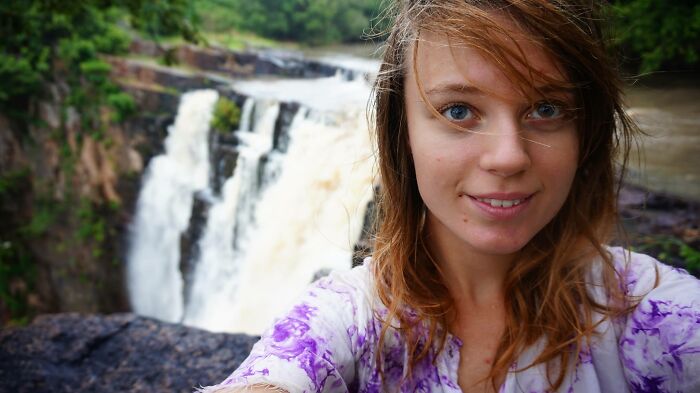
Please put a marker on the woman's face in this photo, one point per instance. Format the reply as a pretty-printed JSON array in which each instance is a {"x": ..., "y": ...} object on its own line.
[{"x": 491, "y": 190}]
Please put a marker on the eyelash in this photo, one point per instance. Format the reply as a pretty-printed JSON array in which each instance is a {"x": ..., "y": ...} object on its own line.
[
  {"x": 454, "y": 104},
  {"x": 565, "y": 110}
]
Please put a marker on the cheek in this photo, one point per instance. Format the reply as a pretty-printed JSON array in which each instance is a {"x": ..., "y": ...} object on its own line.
[
  {"x": 429, "y": 170},
  {"x": 562, "y": 167},
  {"x": 562, "y": 157}
]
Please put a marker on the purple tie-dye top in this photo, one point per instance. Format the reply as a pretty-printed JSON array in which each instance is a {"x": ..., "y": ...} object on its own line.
[{"x": 326, "y": 342}]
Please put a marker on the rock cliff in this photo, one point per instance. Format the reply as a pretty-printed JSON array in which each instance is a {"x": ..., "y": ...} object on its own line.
[{"x": 116, "y": 353}]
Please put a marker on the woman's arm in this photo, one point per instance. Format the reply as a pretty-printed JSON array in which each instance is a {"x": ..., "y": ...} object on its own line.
[
  {"x": 313, "y": 345},
  {"x": 660, "y": 343},
  {"x": 249, "y": 389}
]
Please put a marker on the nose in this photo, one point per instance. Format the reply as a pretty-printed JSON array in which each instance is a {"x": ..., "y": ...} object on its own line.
[{"x": 505, "y": 153}]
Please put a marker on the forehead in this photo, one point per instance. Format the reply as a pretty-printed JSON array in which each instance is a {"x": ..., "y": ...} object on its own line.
[{"x": 440, "y": 62}]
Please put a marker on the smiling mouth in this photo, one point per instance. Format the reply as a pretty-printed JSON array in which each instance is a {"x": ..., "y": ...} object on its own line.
[
  {"x": 504, "y": 201},
  {"x": 500, "y": 203}
]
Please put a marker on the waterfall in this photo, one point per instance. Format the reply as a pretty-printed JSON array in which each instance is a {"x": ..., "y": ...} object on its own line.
[
  {"x": 223, "y": 242},
  {"x": 292, "y": 205},
  {"x": 307, "y": 221},
  {"x": 163, "y": 210}
]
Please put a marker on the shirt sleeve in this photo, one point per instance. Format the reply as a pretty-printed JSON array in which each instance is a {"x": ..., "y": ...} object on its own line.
[
  {"x": 310, "y": 348},
  {"x": 660, "y": 341}
]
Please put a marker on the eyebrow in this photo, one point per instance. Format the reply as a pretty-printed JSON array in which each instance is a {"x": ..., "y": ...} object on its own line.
[{"x": 451, "y": 87}]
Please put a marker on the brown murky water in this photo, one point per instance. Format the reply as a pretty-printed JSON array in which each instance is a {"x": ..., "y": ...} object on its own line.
[{"x": 667, "y": 108}]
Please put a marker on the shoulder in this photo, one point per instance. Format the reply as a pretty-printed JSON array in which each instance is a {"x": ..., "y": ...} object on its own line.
[
  {"x": 345, "y": 292},
  {"x": 660, "y": 341},
  {"x": 643, "y": 275},
  {"x": 332, "y": 307},
  {"x": 313, "y": 345}
]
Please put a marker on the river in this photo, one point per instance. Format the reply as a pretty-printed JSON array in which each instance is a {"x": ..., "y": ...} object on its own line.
[{"x": 667, "y": 108}]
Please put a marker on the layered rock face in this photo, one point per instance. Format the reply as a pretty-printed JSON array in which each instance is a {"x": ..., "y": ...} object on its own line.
[{"x": 116, "y": 353}]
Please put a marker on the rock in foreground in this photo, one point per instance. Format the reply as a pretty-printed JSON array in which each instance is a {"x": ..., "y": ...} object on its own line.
[{"x": 116, "y": 353}]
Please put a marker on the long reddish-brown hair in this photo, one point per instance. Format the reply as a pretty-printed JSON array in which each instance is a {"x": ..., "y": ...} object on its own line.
[{"x": 545, "y": 289}]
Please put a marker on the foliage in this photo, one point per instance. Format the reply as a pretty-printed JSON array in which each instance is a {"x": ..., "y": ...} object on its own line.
[
  {"x": 217, "y": 15},
  {"x": 42, "y": 38},
  {"x": 16, "y": 276},
  {"x": 691, "y": 257},
  {"x": 164, "y": 18},
  {"x": 10, "y": 182},
  {"x": 122, "y": 104},
  {"x": 671, "y": 250},
  {"x": 227, "y": 115},
  {"x": 17, "y": 272},
  {"x": 92, "y": 226},
  {"x": 64, "y": 42},
  {"x": 42, "y": 219},
  {"x": 658, "y": 32},
  {"x": 312, "y": 22}
]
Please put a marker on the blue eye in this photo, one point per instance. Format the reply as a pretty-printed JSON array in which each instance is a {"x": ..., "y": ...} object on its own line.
[
  {"x": 458, "y": 112},
  {"x": 546, "y": 110}
]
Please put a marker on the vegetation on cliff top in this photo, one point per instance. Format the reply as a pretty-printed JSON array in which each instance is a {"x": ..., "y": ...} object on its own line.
[
  {"x": 62, "y": 44},
  {"x": 311, "y": 22},
  {"x": 43, "y": 40}
]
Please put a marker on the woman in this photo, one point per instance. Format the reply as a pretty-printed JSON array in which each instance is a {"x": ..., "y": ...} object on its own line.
[{"x": 497, "y": 123}]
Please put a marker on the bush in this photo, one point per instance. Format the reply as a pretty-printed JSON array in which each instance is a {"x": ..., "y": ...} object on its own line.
[
  {"x": 227, "y": 115},
  {"x": 37, "y": 34},
  {"x": 95, "y": 71},
  {"x": 313, "y": 22},
  {"x": 658, "y": 33},
  {"x": 123, "y": 105}
]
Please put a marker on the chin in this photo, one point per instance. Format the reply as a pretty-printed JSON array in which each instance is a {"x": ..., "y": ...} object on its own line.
[{"x": 501, "y": 246}]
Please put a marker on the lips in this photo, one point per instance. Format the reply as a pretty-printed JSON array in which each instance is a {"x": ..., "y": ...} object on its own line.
[
  {"x": 501, "y": 205},
  {"x": 503, "y": 196},
  {"x": 500, "y": 202}
]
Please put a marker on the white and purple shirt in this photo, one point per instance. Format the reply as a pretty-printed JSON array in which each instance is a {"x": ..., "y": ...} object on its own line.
[{"x": 327, "y": 341}]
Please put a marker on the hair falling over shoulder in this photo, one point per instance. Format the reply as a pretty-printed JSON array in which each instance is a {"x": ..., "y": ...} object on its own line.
[{"x": 545, "y": 288}]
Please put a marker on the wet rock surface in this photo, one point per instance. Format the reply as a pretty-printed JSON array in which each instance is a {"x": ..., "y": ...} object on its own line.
[
  {"x": 116, "y": 353},
  {"x": 645, "y": 212},
  {"x": 664, "y": 226},
  {"x": 244, "y": 64}
]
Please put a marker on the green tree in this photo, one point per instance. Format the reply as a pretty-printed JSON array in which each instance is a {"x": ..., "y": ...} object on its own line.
[
  {"x": 658, "y": 32},
  {"x": 42, "y": 37},
  {"x": 309, "y": 21}
]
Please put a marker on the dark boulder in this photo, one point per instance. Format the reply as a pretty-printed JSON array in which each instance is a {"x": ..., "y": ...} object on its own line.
[{"x": 115, "y": 353}]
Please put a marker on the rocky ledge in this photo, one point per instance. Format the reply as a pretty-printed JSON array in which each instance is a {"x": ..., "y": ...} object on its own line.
[{"x": 115, "y": 353}]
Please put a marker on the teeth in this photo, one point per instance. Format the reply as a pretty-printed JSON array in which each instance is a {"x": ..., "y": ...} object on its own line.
[{"x": 500, "y": 203}]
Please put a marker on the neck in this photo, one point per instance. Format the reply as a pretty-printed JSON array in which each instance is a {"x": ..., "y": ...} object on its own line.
[{"x": 474, "y": 279}]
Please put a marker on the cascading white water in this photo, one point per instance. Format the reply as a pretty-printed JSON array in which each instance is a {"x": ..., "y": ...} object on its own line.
[
  {"x": 307, "y": 218},
  {"x": 307, "y": 221},
  {"x": 246, "y": 113},
  {"x": 164, "y": 207},
  {"x": 279, "y": 219},
  {"x": 216, "y": 271}
]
